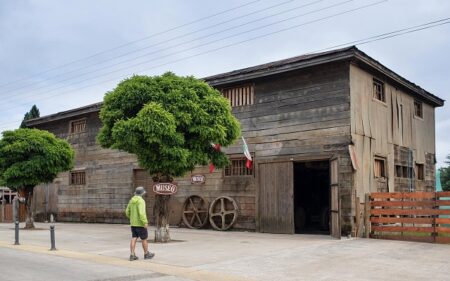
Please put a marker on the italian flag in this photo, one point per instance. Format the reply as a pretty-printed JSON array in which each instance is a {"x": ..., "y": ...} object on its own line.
[
  {"x": 216, "y": 147},
  {"x": 247, "y": 154}
]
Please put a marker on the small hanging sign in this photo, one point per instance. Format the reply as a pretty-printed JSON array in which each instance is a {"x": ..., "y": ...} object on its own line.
[
  {"x": 165, "y": 188},
  {"x": 198, "y": 179}
]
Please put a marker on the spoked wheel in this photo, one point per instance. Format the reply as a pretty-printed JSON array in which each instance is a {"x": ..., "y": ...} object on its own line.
[
  {"x": 195, "y": 212},
  {"x": 223, "y": 213}
]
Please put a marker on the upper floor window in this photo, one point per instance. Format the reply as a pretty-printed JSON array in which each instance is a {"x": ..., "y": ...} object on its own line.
[
  {"x": 78, "y": 126},
  {"x": 418, "y": 111},
  {"x": 77, "y": 178},
  {"x": 404, "y": 172},
  {"x": 240, "y": 95},
  {"x": 238, "y": 168},
  {"x": 379, "y": 168},
  {"x": 378, "y": 90},
  {"x": 420, "y": 171}
]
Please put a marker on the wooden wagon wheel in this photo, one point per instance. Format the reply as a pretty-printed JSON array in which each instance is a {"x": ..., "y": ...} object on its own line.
[
  {"x": 195, "y": 212},
  {"x": 223, "y": 213}
]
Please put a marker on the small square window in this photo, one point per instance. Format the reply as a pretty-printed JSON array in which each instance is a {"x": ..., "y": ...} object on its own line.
[
  {"x": 78, "y": 126},
  {"x": 77, "y": 178},
  {"x": 378, "y": 90},
  {"x": 418, "y": 111},
  {"x": 379, "y": 168},
  {"x": 238, "y": 168},
  {"x": 420, "y": 171}
]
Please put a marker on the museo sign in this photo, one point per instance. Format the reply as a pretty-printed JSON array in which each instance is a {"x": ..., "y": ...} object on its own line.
[
  {"x": 165, "y": 188},
  {"x": 198, "y": 179}
]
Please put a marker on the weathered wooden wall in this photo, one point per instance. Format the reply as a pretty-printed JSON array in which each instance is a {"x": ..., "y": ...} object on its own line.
[
  {"x": 298, "y": 116},
  {"x": 387, "y": 129},
  {"x": 302, "y": 115},
  {"x": 109, "y": 177}
]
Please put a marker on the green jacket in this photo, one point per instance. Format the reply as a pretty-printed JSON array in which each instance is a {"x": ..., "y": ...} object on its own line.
[{"x": 136, "y": 211}]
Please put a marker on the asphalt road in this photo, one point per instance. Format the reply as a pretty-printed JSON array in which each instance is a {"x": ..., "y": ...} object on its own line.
[{"x": 18, "y": 265}]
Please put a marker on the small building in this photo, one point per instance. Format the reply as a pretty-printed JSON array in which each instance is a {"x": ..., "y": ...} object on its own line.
[{"x": 324, "y": 129}]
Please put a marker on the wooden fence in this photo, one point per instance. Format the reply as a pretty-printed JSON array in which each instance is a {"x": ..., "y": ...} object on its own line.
[
  {"x": 409, "y": 216},
  {"x": 7, "y": 213}
]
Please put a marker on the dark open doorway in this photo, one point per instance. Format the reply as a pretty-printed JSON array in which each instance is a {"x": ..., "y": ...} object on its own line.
[{"x": 312, "y": 197}]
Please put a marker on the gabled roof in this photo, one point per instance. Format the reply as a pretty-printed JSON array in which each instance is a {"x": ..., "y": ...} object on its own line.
[
  {"x": 300, "y": 62},
  {"x": 352, "y": 54}
]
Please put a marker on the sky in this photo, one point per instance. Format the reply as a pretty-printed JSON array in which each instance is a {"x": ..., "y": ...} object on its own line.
[{"x": 61, "y": 55}]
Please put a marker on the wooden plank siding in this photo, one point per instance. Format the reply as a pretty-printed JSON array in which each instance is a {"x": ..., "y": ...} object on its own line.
[
  {"x": 295, "y": 116},
  {"x": 389, "y": 130}
]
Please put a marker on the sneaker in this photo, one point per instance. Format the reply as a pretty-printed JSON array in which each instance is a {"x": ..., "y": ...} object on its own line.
[
  {"x": 149, "y": 255},
  {"x": 133, "y": 258}
]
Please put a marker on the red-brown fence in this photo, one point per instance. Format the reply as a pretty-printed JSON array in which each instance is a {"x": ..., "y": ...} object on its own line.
[
  {"x": 410, "y": 216},
  {"x": 8, "y": 213}
]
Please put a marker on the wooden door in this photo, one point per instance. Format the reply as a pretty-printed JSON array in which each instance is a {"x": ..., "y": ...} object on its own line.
[
  {"x": 275, "y": 197},
  {"x": 335, "y": 214}
]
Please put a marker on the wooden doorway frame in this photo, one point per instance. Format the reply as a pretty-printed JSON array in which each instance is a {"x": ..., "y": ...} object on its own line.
[{"x": 335, "y": 200}]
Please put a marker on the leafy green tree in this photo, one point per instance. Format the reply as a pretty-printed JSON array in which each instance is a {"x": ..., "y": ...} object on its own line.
[
  {"x": 29, "y": 157},
  {"x": 33, "y": 113},
  {"x": 445, "y": 175},
  {"x": 169, "y": 123}
]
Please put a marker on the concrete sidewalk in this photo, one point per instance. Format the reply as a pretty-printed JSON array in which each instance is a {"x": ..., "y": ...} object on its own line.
[{"x": 213, "y": 255}]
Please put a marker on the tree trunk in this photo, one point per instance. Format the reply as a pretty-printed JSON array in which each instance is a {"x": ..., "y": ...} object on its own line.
[
  {"x": 29, "y": 223},
  {"x": 161, "y": 211}
]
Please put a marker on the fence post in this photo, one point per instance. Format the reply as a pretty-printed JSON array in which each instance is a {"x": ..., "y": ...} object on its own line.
[
  {"x": 436, "y": 206},
  {"x": 2, "y": 209},
  {"x": 367, "y": 216}
]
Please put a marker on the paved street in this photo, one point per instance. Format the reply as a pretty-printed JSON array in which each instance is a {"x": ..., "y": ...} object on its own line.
[
  {"x": 100, "y": 252},
  {"x": 19, "y": 265}
]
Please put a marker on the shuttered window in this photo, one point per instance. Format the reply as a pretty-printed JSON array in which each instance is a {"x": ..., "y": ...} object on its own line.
[
  {"x": 379, "y": 168},
  {"x": 418, "y": 112},
  {"x": 420, "y": 172},
  {"x": 240, "y": 96},
  {"x": 77, "y": 177},
  {"x": 78, "y": 126},
  {"x": 238, "y": 168},
  {"x": 403, "y": 171},
  {"x": 378, "y": 90}
]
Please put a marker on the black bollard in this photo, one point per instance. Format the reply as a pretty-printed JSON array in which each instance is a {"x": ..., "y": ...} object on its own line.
[
  {"x": 52, "y": 237},
  {"x": 16, "y": 229}
]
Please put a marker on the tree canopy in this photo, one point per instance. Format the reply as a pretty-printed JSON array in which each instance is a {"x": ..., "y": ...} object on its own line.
[
  {"x": 445, "y": 175},
  {"x": 33, "y": 113},
  {"x": 29, "y": 157},
  {"x": 168, "y": 122}
]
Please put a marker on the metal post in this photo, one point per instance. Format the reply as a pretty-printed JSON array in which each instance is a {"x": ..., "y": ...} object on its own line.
[
  {"x": 52, "y": 238},
  {"x": 16, "y": 236}
]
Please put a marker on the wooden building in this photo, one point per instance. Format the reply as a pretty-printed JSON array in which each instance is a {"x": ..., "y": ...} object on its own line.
[{"x": 324, "y": 129}]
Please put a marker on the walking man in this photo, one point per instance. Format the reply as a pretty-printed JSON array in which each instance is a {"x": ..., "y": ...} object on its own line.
[{"x": 136, "y": 212}]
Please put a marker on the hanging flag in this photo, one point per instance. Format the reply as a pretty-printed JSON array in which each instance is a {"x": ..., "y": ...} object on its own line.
[
  {"x": 247, "y": 154},
  {"x": 216, "y": 147}
]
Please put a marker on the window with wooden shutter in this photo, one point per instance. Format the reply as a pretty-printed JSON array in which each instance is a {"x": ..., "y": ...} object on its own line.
[
  {"x": 420, "y": 171},
  {"x": 378, "y": 90},
  {"x": 379, "y": 168},
  {"x": 78, "y": 126},
  {"x": 77, "y": 177},
  {"x": 238, "y": 168},
  {"x": 240, "y": 96},
  {"x": 418, "y": 112}
]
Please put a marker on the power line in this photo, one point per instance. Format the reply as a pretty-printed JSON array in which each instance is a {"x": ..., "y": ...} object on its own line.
[
  {"x": 185, "y": 42},
  {"x": 375, "y": 38},
  {"x": 135, "y": 41},
  {"x": 182, "y": 51},
  {"x": 220, "y": 48}
]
